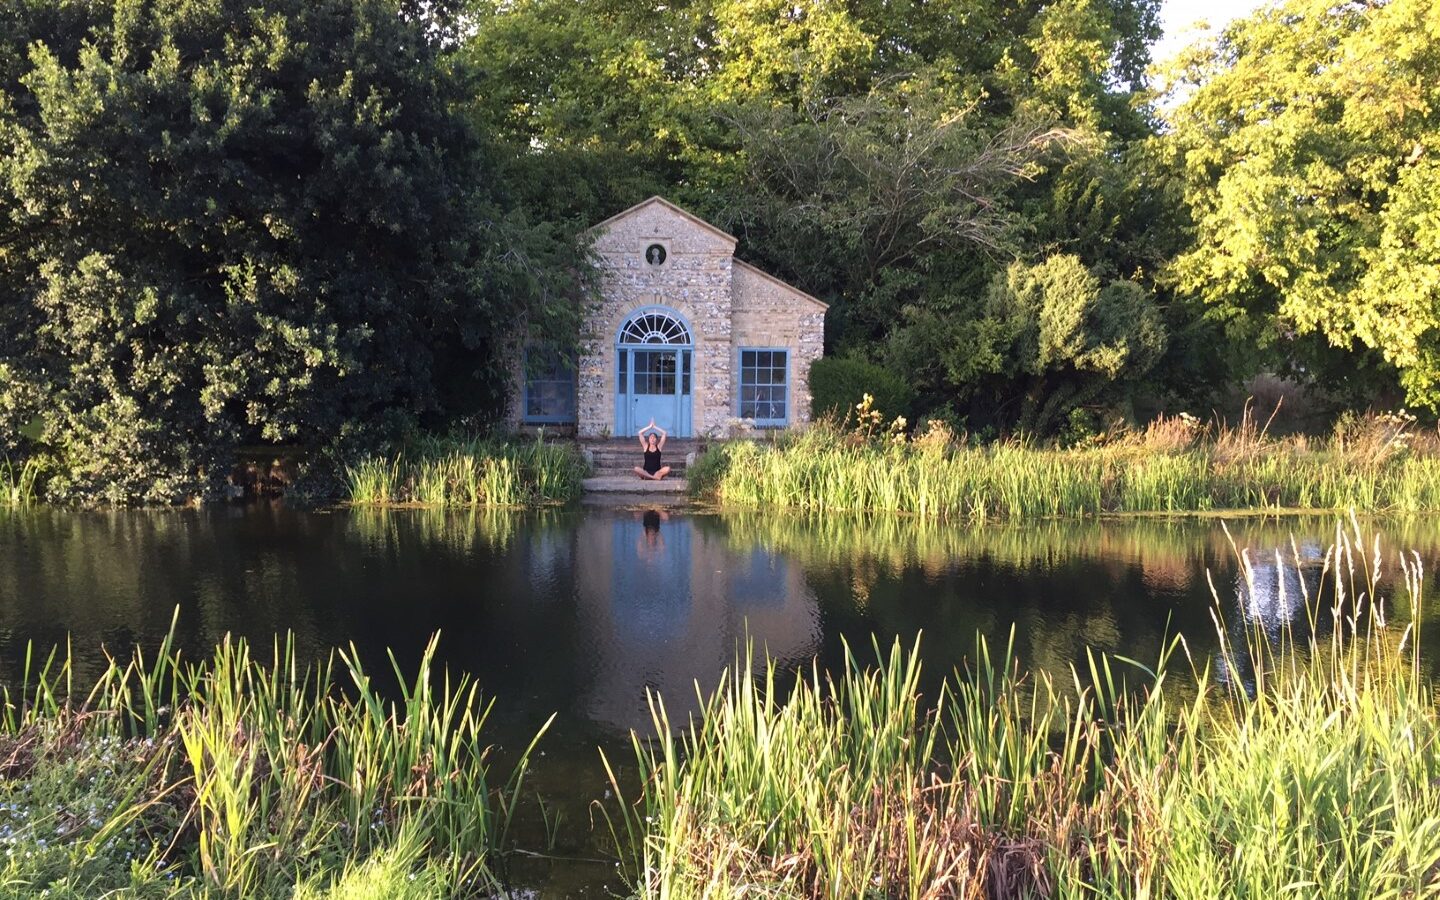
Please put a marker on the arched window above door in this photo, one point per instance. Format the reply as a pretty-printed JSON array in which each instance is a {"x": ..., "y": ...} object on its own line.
[{"x": 655, "y": 326}]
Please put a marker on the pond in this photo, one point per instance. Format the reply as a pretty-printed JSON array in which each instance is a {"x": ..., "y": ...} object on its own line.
[{"x": 581, "y": 612}]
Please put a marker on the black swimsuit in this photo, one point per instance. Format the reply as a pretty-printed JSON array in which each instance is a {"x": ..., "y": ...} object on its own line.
[{"x": 652, "y": 461}]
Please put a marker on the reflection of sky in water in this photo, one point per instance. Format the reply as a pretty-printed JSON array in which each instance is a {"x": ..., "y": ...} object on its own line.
[
  {"x": 1285, "y": 596},
  {"x": 669, "y": 605},
  {"x": 650, "y": 580},
  {"x": 1271, "y": 590}
]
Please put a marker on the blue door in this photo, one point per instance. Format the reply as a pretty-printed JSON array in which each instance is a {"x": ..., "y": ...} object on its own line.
[
  {"x": 655, "y": 392},
  {"x": 653, "y": 369}
]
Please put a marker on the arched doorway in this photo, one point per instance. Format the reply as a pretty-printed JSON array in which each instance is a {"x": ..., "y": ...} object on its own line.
[{"x": 653, "y": 362}]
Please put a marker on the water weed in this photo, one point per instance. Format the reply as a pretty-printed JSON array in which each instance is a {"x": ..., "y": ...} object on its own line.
[{"x": 19, "y": 482}]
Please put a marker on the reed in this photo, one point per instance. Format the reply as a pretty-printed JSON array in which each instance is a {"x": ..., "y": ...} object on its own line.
[
  {"x": 1306, "y": 766},
  {"x": 455, "y": 471},
  {"x": 234, "y": 777},
  {"x": 824, "y": 469},
  {"x": 19, "y": 482}
]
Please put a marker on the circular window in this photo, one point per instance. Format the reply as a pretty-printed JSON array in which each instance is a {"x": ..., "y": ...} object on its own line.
[{"x": 655, "y": 255}]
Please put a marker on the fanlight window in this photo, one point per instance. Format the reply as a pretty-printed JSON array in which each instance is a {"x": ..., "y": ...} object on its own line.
[{"x": 655, "y": 328}]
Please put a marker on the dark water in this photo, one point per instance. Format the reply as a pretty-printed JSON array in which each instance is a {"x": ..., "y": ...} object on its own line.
[{"x": 579, "y": 612}]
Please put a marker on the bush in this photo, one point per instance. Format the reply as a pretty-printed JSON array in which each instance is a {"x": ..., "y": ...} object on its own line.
[{"x": 836, "y": 385}]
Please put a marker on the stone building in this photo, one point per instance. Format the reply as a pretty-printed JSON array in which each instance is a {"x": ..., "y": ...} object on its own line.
[{"x": 683, "y": 333}]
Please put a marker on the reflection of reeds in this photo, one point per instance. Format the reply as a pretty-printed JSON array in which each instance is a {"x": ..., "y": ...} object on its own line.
[
  {"x": 1171, "y": 549},
  {"x": 822, "y": 470},
  {"x": 457, "y": 530},
  {"x": 240, "y": 778},
  {"x": 442, "y": 471},
  {"x": 1318, "y": 774}
]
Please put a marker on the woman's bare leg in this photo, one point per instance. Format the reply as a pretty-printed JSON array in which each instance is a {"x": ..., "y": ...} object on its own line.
[
  {"x": 664, "y": 470},
  {"x": 644, "y": 474}
]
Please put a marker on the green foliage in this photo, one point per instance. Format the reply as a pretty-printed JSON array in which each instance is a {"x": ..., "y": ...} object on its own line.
[
  {"x": 233, "y": 777},
  {"x": 19, "y": 481},
  {"x": 240, "y": 222},
  {"x": 823, "y": 470},
  {"x": 450, "y": 471},
  {"x": 838, "y": 384},
  {"x": 886, "y": 157},
  {"x": 1054, "y": 335},
  {"x": 1316, "y": 770},
  {"x": 1308, "y": 148}
]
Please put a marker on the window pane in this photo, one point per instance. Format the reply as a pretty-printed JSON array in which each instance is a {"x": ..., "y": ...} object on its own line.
[
  {"x": 549, "y": 386},
  {"x": 762, "y": 387}
]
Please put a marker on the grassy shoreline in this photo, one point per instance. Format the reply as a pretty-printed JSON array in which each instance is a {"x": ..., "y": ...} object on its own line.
[
  {"x": 1307, "y": 764},
  {"x": 826, "y": 469},
  {"x": 457, "y": 472},
  {"x": 232, "y": 777},
  {"x": 1313, "y": 770}
]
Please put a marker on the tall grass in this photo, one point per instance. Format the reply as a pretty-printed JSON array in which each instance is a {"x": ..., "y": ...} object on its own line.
[
  {"x": 1304, "y": 768},
  {"x": 233, "y": 777},
  {"x": 19, "y": 482},
  {"x": 450, "y": 471},
  {"x": 824, "y": 469}
]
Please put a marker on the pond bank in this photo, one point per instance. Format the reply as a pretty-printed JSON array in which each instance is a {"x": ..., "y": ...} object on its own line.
[
  {"x": 825, "y": 470},
  {"x": 240, "y": 776},
  {"x": 1305, "y": 757}
]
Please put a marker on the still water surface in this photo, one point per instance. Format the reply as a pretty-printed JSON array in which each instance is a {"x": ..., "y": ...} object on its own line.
[{"x": 579, "y": 612}]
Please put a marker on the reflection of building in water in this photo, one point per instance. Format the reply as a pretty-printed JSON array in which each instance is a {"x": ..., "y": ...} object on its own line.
[{"x": 663, "y": 605}]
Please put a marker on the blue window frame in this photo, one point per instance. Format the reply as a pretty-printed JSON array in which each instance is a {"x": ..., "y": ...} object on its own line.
[
  {"x": 549, "y": 388},
  {"x": 765, "y": 386}
]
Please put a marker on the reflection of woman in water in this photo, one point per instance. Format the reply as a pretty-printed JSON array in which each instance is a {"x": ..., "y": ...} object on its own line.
[
  {"x": 651, "y": 545},
  {"x": 652, "y": 441}
]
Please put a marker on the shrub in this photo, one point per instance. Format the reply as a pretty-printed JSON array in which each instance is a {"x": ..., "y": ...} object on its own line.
[{"x": 836, "y": 385}]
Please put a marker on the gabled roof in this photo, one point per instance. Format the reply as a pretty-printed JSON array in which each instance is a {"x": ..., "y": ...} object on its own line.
[
  {"x": 730, "y": 238},
  {"x": 789, "y": 287}
]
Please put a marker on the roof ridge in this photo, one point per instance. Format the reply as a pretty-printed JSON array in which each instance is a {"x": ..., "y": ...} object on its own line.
[
  {"x": 780, "y": 281},
  {"x": 656, "y": 198}
]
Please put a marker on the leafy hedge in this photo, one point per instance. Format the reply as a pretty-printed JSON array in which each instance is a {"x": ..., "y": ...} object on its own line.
[{"x": 836, "y": 385}]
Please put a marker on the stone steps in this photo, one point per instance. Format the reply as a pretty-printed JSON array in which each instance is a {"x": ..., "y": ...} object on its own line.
[
  {"x": 612, "y": 467},
  {"x": 619, "y": 457},
  {"x": 629, "y": 483}
]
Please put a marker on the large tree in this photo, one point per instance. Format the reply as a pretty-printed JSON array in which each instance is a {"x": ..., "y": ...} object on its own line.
[
  {"x": 1051, "y": 337},
  {"x": 887, "y": 156},
  {"x": 231, "y": 221},
  {"x": 1308, "y": 147}
]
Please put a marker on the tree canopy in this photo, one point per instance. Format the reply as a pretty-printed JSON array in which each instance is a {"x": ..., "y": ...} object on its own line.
[
  {"x": 888, "y": 157},
  {"x": 231, "y": 222},
  {"x": 1308, "y": 148},
  {"x": 289, "y": 221}
]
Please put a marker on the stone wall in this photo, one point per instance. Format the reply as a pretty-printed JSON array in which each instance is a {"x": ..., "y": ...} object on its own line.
[
  {"x": 695, "y": 281},
  {"x": 729, "y": 305},
  {"x": 770, "y": 313}
]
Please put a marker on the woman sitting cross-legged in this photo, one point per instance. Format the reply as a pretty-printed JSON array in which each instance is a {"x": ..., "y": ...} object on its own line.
[{"x": 652, "y": 441}]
